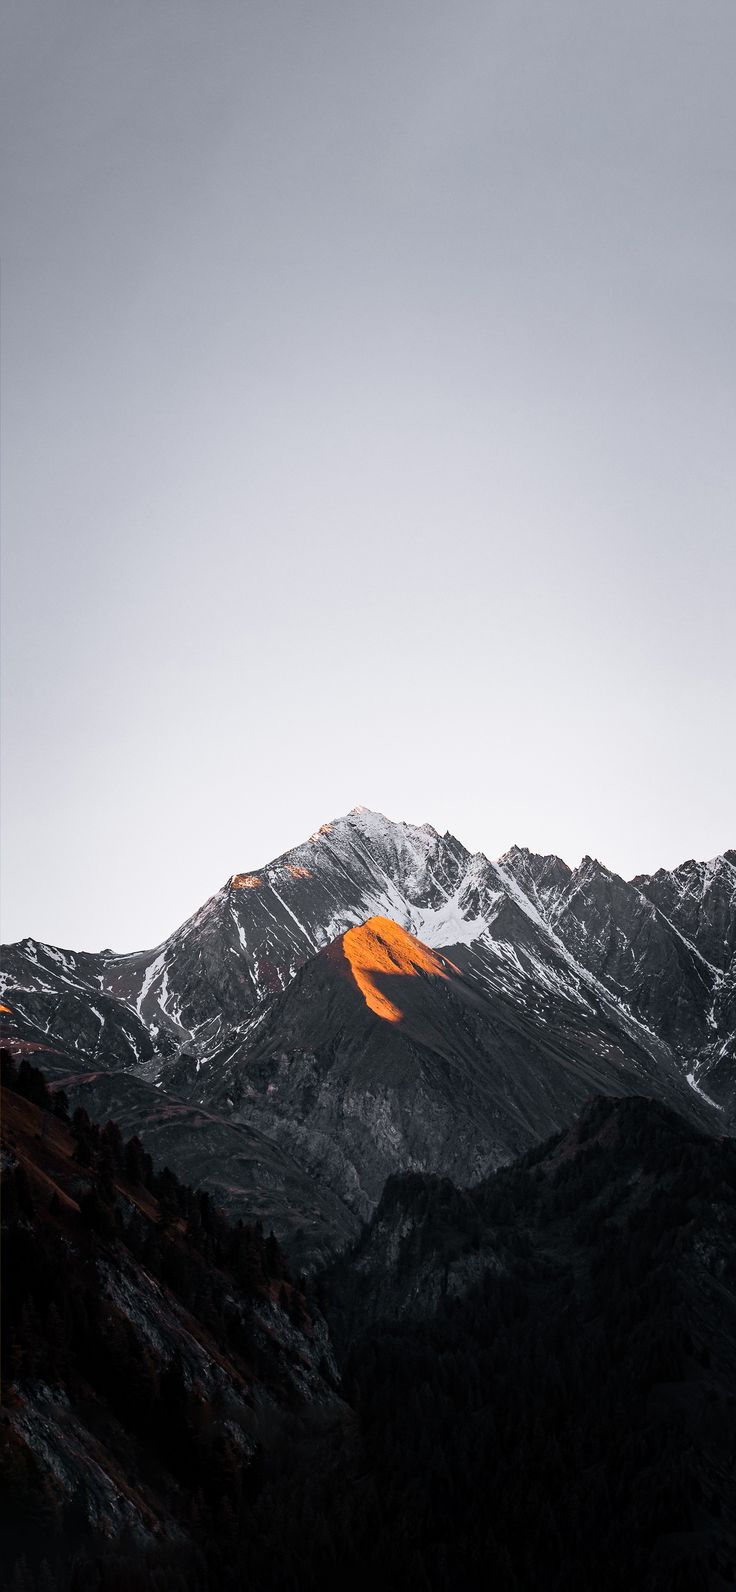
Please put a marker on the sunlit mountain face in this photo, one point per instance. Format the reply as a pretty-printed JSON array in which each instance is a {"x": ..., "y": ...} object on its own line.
[{"x": 382, "y": 947}]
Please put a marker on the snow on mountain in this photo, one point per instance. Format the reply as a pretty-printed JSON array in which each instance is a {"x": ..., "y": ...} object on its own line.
[
  {"x": 655, "y": 955},
  {"x": 699, "y": 900}
]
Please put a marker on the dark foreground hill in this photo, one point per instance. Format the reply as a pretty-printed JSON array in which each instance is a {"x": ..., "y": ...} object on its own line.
[
  {"x": 539, "y": 1374},
  {"x": 151, "y": 1353},
  {"x": 545, "y": 1367}
]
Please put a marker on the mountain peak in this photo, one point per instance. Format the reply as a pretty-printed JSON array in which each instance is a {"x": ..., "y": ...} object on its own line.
[
  {"x": 371, "y": 820},
  {"x": 541, "y": 878}
]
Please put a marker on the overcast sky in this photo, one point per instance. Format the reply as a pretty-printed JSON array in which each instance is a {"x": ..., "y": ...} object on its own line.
[{"x": 368, "y": 434}]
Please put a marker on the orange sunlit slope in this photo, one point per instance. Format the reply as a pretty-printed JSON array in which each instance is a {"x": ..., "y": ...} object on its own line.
[{"x": 380, "y": 946}]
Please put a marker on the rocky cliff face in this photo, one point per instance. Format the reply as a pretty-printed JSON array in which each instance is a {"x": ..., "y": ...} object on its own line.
[
  {"x": 699, "y": 899},
  {"x": 664, "y": 944},
  {"x": 620, "y": 936},
  {"x": 59, "y": 998}
]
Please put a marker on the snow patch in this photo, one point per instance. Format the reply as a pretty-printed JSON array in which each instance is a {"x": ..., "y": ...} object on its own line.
[{"x": 149, "y": 977}]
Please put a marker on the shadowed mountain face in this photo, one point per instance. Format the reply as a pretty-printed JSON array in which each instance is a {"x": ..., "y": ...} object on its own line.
[
  {"x": 244, "y": 1168},
  {"x": 429, "y": 1241},
  {"x": 150, "y": 1351},
  {"x": 518, "y": 989},
  {"x": 544, "y": 1366},
  {"x": 383, "y": 1054},
  {"x": 527, "y": 1383}
]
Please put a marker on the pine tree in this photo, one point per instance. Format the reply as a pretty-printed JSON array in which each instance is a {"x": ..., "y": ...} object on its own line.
[
  {"x": 134, "y": 1160},
  {"x": 83, "y": 1153}
]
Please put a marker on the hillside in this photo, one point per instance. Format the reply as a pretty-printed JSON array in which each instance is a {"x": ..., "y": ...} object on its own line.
[
  {"x": 151, "y": 1350},
  {"x": 545, "y": 1368},
  {"x": 538, "y": 1373}
]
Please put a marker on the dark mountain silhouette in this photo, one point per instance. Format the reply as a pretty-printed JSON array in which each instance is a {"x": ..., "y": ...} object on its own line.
[
  {"x": 151, "y": 1350},
  {"x": 538, "y": 1373}
]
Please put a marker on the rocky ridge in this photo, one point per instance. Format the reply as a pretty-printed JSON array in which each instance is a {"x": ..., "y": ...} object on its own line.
[{"x": 565, "y": 982}]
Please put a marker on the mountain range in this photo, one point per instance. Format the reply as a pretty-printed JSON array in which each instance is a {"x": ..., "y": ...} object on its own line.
[
  {"x": 380, "y": 1000},
  {"x": 406, "y": 1250}
]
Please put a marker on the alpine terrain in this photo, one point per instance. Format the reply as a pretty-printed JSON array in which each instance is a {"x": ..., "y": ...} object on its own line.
[
  {"x": 379, "y": 1224},
  {"x": 380, "y": 1000}
]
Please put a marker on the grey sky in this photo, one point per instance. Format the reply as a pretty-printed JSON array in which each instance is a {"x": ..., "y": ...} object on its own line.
[{"x": 368, "y": 390}]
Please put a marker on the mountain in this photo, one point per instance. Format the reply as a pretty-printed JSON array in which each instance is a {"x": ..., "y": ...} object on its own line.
[
  {"x": 429, "y": 1243},
  {"x": 663, "y": 944},
  {"x": 152, "y": 1354},
  {"x": 544, "y": 1368},
  {"x": 60, "y": 1000},
  {"x": 563, "y": 982},
  {"x": 620, "y": 934},
  {"x": 527, "y": 1383},
  {"x": 382, "y": 1055},
  {"x": 247, "y": 942},
  {"x": 698, "y": 899},
  {"x": 246, "y": 1169}
]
